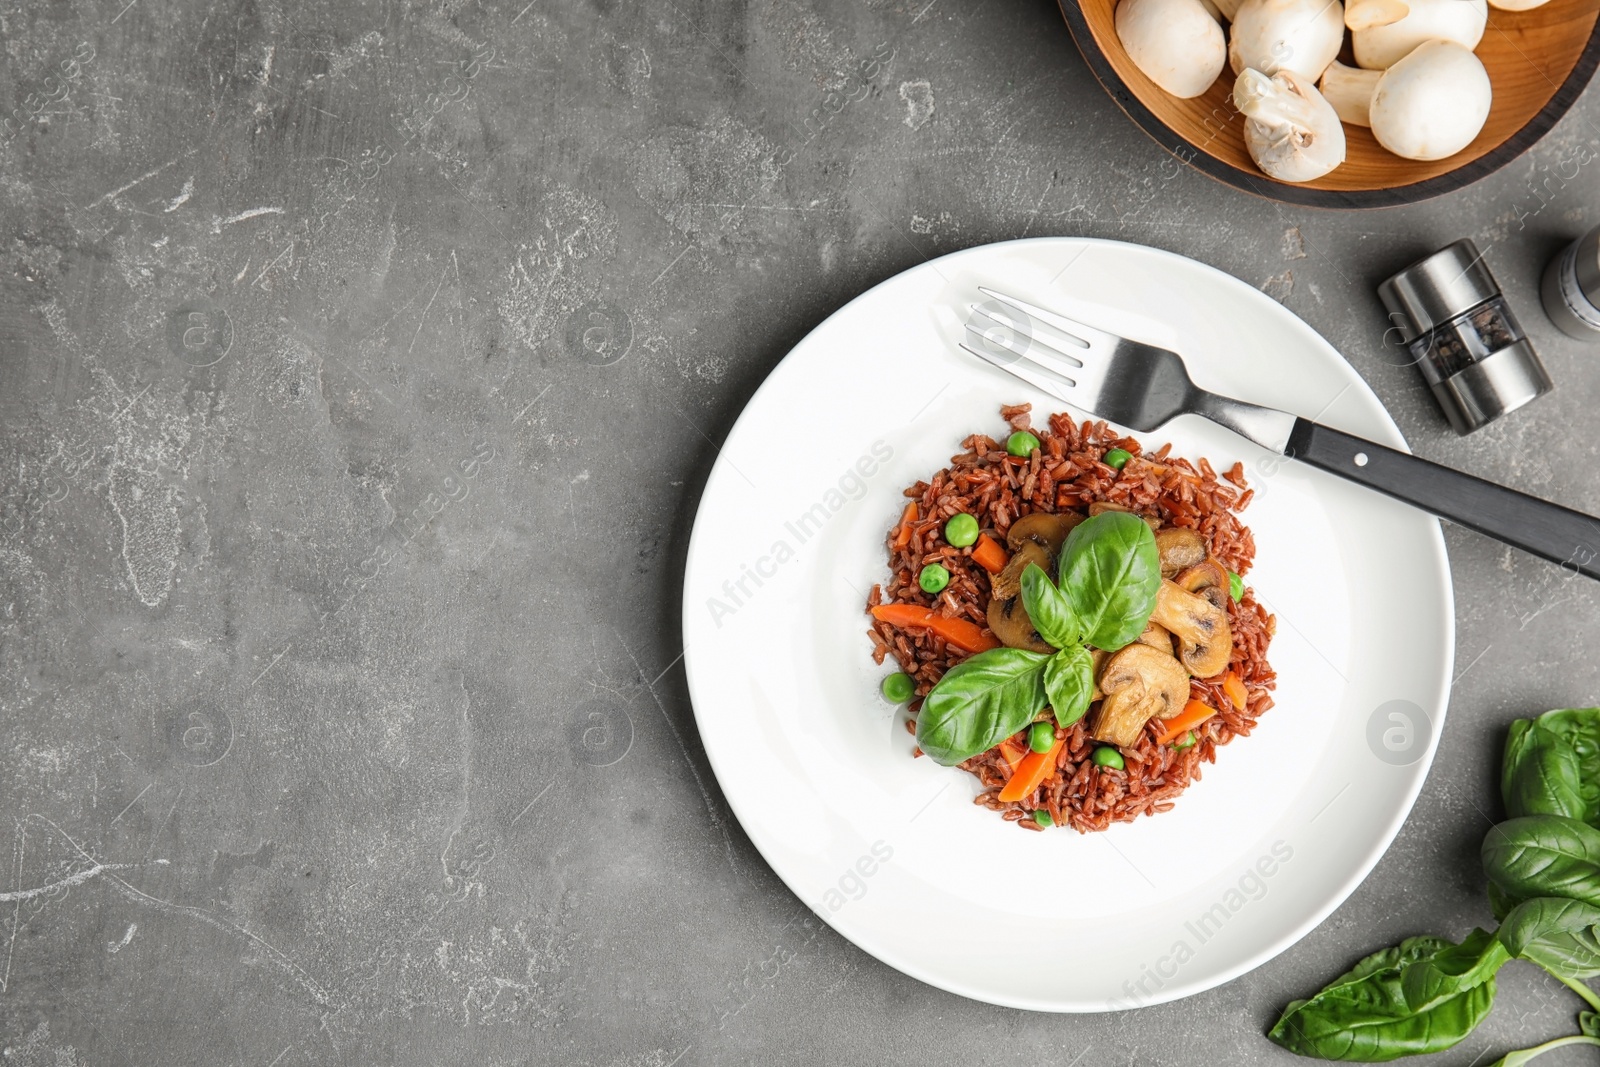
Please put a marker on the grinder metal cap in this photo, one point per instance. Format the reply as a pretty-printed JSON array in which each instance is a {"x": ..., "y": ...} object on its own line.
[
  {"x": 1480, "y": 366},
  {"x": 1432, "y": 291}
]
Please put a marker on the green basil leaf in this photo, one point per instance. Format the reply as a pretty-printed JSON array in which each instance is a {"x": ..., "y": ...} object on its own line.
[
  {"x": 1539, "y": 774},
  {"x": 1552, "y": 765},
  {"x": 1560, "y": 935},
  {"x": 1363, "y": 1015},
  {"x": 1453, "y": 970},
  {"x": 1111, "y": 573},
  {"x": 1047, "y": 607},
  {"x": 1069, "y": 683},
  {"x": 980, "y": 702},
  {"x": 1544, "y": 856}
]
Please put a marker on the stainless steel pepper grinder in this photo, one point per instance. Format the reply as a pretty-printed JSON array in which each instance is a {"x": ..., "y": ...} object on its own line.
[
  {"x": 1571, "y": 288},
  {"x": 1469, "y": 346}
]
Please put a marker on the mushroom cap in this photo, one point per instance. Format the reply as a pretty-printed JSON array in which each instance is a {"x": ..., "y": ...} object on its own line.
[
  {"x": 1206, "y": 579},
  {"x": 1205, "y": 639},
  {"x": 1140, "y": 683},
  {"x": 1461, "y": 21},
  {"x": 1299, "y": 35},
  {"x": 1432, "y": 103},
  {"x": 1176, "y": 43},
  {"x": 1179, "y": 548},
  {"x": 1046, "y": 528},
  {"x": 1013, "y": 628}
]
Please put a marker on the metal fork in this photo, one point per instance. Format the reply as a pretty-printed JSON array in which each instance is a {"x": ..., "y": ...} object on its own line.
[{"x": 1143, "y": 387}]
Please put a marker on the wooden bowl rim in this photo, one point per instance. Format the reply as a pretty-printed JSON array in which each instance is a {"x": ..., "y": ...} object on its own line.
[{"x": 1258, "y": 184}]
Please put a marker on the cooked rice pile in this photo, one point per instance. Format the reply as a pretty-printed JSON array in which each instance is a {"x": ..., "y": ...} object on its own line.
[{"x": 1067, "y": 474}]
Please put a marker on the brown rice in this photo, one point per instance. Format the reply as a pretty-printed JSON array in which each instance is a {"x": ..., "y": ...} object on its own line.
[{"x": 1068, "y": 472}]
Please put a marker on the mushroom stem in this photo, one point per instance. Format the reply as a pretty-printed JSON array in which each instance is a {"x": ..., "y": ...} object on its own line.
[
  {"x": 1349, "y": 90},
  {"x": 1365, "y": 14}
]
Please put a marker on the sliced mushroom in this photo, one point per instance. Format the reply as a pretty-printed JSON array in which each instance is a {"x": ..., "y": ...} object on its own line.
[
  {"x": 1292, "y": 133},
  {"x": 1008, "y": 583},
  {"x": 1206, "y": 579},
  {"x": 1010, "y": 623},
  {"x": 1100, "y": 507},
  {"x": 1205, "y": 641},
  {"x": 1157, "y": 637},
  {"x": 1045, "y": 528},
  {"x": 1097, "y": 663},
  {"x": 1140, "y": 683},
  {"x": 1180, "y": 549}
]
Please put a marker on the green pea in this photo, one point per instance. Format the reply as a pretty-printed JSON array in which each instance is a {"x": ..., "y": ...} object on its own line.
[
  {"x": 1041, "y": 735},
  {"x": 1189, "y": 741},
  {"x": 1022, "y": 443},
  {"x": 933, "y": 578},
  {"x": 1043, "y": 818},
  {"x": 1118, "y": 458},
  {"x": 1106, "y": 756},
  {"x": 1235, "y": 586},
  {"x": 961, "y": 530},
  {"x": 899, "y": 688}
]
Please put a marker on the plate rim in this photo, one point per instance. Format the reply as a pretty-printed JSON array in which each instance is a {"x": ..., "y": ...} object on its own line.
[{"x": 1332, "y": 900}]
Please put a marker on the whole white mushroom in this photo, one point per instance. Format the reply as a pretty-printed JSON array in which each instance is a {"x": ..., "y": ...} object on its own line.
[
  {"x": 1299, "y": 35},
  {"x": 1432, "y": 103},
  {"x": 1292, "y": 133},
  {"x": 1178, "y": 44},
  {"x": 1378, "y": 47}
]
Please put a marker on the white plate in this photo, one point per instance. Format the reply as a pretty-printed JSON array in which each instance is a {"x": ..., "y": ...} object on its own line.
[{"x": 890, "y": 850}]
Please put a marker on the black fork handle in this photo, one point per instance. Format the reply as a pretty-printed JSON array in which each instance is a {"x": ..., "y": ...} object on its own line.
[{"x": 1547, "y": 530}]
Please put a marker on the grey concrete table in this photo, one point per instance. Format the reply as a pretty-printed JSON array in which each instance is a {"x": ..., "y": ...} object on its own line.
[{"x": 360, "y": 367}]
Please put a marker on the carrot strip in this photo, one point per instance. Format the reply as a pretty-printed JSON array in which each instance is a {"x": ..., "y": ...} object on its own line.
[
  {"x": 1034, "y": 768},
  {"x": 967, "y": 636},
  {"x": 989, "y": 555},
  {"x": 902, "y": 537},
  {"x": 1012, "y": 753},
  {"x": 1193, "y": 714},
  {"x": 1235, "y": 690}
]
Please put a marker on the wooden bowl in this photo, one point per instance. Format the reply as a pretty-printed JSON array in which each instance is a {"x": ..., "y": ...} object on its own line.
[{"x": 1538, "y": 61}]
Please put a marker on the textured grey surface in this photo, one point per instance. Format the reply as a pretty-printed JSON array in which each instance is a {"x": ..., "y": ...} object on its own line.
[{"x": 341, "y": 697}]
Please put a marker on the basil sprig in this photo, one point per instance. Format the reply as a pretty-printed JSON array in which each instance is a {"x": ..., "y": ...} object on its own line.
[
  {"x": 1110, "y": 575},
  {"x": 1543, "y": 865}
]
